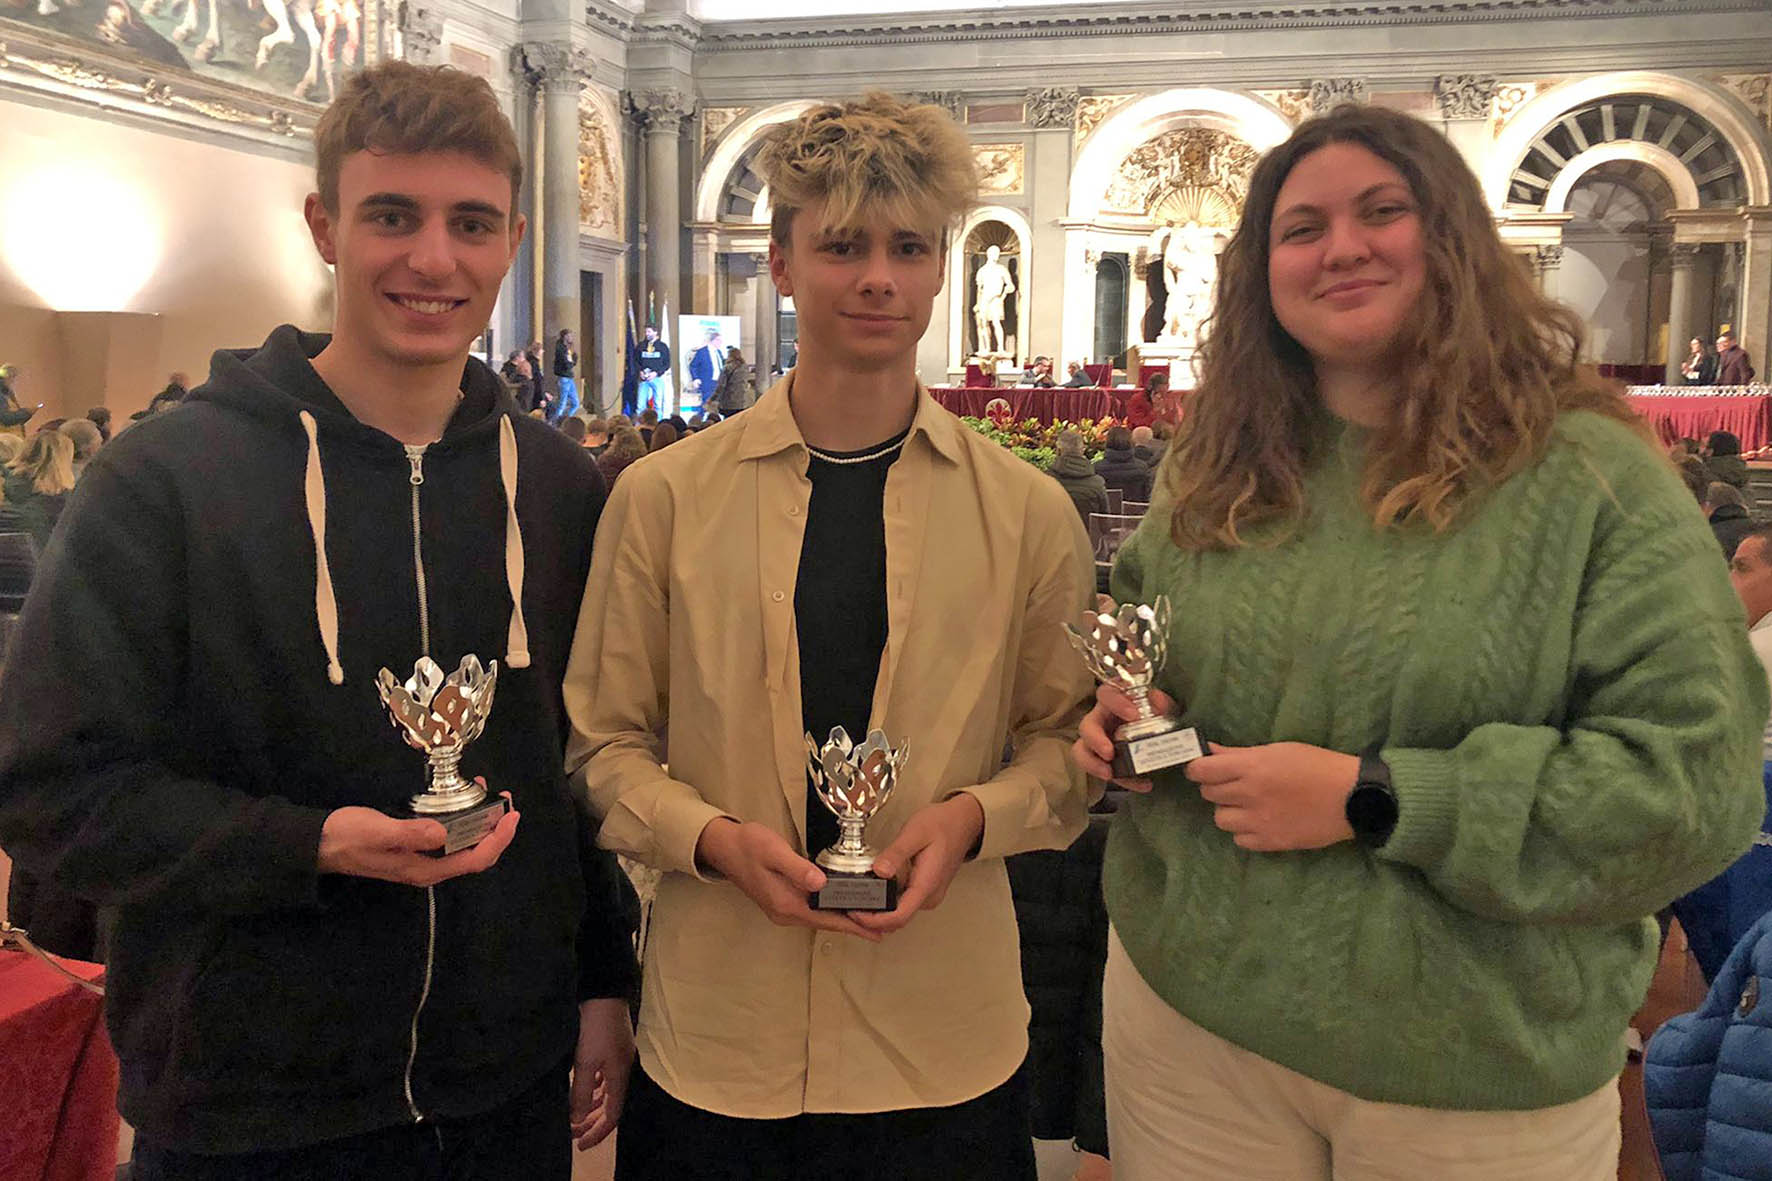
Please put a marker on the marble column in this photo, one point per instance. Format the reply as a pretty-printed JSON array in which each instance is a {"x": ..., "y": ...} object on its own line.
[
  {"x": 1754, "y": 333},
  {"x": 559, "y": 73},
  {"x": 663, "y": 112},
  {"x": 1683, "y": 256},
  {"x": 764, "y": 346},
  {"x": 1547, "y": 259}
]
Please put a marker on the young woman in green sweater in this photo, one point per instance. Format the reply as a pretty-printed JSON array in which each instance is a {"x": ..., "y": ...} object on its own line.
[{"x": 1481, "y": 697}]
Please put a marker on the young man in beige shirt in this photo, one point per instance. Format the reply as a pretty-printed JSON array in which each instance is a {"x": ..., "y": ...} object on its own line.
[{"x": 845, "y": 552}]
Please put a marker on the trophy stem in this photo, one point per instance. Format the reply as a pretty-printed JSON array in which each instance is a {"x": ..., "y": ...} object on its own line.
[
  {"x": 851, "y": 853},
  {"x": 449, "y": 791},
  {"x": 1141, "y": 701}
]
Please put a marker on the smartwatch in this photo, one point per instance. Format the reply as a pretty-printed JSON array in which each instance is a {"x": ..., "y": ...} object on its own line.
[{"x": 1372, "y": 805}]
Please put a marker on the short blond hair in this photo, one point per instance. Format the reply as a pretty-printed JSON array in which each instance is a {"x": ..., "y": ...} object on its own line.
[
  {"x": 397, "y": 108},
  {"x": 884, "y": 155}
]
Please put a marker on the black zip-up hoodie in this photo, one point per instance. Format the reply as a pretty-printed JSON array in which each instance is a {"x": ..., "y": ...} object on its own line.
[{"x": 192, "y": 689}]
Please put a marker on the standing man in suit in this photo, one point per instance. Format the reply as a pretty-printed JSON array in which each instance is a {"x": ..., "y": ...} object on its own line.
[{"x": 705, "y": 365}]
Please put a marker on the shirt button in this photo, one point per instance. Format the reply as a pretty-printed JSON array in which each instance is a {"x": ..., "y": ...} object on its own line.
[
  {"x": 778, "y": 596},
  {"x": 793, "y": 510},
  {"x": 827, "y": 947}
]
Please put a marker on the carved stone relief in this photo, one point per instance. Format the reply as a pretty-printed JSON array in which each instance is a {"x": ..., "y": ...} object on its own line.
[
  {"x": 1294, "y": 104},
  {"x": 1000, "y": 167},
  {"x": 660, "y": 110},
  {"x": 1182, "y": 158},
  {"x": 715, "y": 120},
  {"x": 951, "y": 101},
  {"x": 1328, "y": 93},
  {"x": 600, "y": 179},
  {"x": 1753, "y": 89},
  {"x": 1464, "y": 96},
  {"x": 1052, "y": 106}
]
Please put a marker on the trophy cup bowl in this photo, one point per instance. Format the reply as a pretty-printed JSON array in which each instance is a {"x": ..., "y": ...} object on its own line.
[
  {"x": 854, "y": 782},
  {"x": 438, "y": 716},
  {"x": 1126, "y": 650}
]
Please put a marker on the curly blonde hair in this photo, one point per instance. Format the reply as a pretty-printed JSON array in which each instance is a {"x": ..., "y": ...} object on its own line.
[
  {"x": 881, "y": 155},
  {"x": 1486, "y": 362}
]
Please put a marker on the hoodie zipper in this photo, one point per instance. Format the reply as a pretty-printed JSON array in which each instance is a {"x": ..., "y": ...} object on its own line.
[{"x": 415, "y": 455}]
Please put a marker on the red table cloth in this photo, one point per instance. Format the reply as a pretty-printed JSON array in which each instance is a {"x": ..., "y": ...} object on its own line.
[
  {"x": 1054, "y": 405},
  {"x": 1674, "y": 417},
  {"x": 58, "y": 1075}
]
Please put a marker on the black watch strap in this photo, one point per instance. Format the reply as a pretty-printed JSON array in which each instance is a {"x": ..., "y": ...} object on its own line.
[{"x": 1372, "y": 805}]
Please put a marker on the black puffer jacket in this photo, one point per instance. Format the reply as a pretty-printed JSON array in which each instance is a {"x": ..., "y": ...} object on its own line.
[{"x": 1124, "y": 470}]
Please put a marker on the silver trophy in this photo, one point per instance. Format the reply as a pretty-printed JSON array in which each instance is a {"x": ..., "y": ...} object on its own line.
[
  {"x": 438, "y": 716},
  {"x": 1126, "y": 650},
  {"x": 854, "y": 782}
]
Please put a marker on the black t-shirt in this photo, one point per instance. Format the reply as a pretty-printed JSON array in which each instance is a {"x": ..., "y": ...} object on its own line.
[{"x": 840, "y": 606}]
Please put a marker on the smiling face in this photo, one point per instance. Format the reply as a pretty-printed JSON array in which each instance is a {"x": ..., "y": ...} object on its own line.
[
  {"x": 1346, "y": 257},
  {"x": 420, "y": 244},
  {"x": 862, "y": 297}
]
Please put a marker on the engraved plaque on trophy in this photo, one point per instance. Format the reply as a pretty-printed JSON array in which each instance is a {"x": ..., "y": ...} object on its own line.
[
  {"x": 438, "y": 716},
  {"x": 854, "y": 782},
  {"x": 1126, "y": 650}
]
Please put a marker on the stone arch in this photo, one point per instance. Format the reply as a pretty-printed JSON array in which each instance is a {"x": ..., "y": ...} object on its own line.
[
  {"x": 1098, "y": 163},
  {"x": 959, "y": 296},
  {"x": 1734, "y": 124},
  {"x": 1665, "y": 164},
  {"x": 735, "y": 150}
]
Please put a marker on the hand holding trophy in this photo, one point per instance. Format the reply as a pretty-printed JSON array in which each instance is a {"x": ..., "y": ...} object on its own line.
[
  {"x": 854, "y": 782},
  {"x": 1126, "y": 650},
  {"x": 439, "y": 716}
]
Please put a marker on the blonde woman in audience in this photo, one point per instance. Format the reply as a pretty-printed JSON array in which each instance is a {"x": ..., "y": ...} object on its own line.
[
  {"x": 38, "y": 482},
  {"x": 1478, "y": 694},
  {"x": 625, "y": 446},
  {"x": 83, "y": 433}
]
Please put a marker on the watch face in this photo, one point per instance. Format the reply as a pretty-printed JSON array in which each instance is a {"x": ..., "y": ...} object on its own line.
[{"x": 1372, "y": 813}]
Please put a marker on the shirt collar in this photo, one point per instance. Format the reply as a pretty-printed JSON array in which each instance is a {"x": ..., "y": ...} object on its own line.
[
  {"x": 1764, "y": 623},
  {"x": 769, "y": 426}
]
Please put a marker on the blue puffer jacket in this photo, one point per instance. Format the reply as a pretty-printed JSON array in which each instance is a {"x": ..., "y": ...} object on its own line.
[{"x": 1707, "y": 1076}]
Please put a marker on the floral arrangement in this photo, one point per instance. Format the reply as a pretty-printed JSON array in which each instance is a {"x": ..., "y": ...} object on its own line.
[{"x": 1037, "y": 442}]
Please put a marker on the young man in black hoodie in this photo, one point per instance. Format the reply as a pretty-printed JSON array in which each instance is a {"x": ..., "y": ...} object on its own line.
[{"x": 191, "y": 735}]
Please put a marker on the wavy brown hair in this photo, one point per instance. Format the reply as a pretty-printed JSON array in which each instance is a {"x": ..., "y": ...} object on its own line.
[{"x": 1484, "y": 364}]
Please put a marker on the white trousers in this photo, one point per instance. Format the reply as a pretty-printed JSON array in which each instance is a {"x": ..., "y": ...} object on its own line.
[{"x": 1183, "y": 1103}]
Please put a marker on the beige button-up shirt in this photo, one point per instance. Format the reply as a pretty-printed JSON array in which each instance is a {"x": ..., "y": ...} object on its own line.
[{"x": 688, "y": 629}]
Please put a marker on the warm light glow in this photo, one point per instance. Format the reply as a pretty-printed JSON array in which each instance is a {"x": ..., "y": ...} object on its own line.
[{"x": 81, "y": 237}]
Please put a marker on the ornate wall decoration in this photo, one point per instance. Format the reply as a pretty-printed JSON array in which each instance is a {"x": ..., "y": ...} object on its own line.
[
  {"x": 1000, "y": 167},
  {"x": 1052, "y": 106},
  {"x": 1188, "y": 157},
  {"x": 183, "y": 95},
  {"x": 1753, "y": 89},
  {"x": 1092, "y": 109},
  {"x": 715, "y": 120},
  {"x": 951, "y": 101},
  {"x": 600, "y": 179},
  {"x": 1464, "y": 96},
  {"x": 1294, "y": 104},
  {"x": 660, "y": 110},
  {"x": 421, "y": 33},
  {"x": 1511, "y": 96},
  {"x": 1328, "y": 93}
]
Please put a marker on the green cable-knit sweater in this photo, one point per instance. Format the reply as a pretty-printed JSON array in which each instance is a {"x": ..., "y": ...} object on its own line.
[{"x": 1565, "y": 693}]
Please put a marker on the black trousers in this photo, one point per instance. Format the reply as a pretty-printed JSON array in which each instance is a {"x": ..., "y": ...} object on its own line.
[
  {"x": 527, "y": 1139},
  {"x": 989, "y": 1138}
]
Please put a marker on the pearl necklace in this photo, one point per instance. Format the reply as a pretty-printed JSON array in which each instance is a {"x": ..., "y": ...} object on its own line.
[{"x": 888, "y": 449}]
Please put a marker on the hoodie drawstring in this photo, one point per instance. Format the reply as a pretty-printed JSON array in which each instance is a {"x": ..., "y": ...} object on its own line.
[
  {"x": 325, "y": 601},
  {"x": 517, "y": 640}
]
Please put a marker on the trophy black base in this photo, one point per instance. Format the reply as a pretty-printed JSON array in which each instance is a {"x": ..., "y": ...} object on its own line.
[
  {"x": 856, "y": 891},
  {"x": 465, "y": 827},
  {"x": 1142, "y": 755}
]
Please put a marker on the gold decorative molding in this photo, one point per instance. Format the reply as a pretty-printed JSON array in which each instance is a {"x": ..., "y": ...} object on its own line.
[
  {"x": 1187, "y": 161},
  {"x": 1511, "y": 96},
  {"x": 1001, "y": 167},
  {"x": 1294, "y": 104},
  {"x": 1093, "y": 109}
]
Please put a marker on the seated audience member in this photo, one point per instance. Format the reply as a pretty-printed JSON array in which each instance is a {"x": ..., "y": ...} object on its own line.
[
  {"x": 596, "y": 435},
  {"x": 648, "y": 421},
  {"x": 1162, "y": 431},
  {"x": 1144, "y": 446},
  {"x": 663, "y": 435},
  {"x": 1079, "y": 376},
  {"x": 1121, "y": 468},
  {"x": 1722, "y": 455},
  {"x": 83, "y": 433},
  {"x": 677, "y": 423},
  {"x": 625, "y": 446},
  {"x": 1727, "y": 510},
  {"x": 1717, "y": 914},
  {"x": 37, "y": 483},
  {"x": 573, "y": 427},
  {"x": 1696, "y": 476},
  {"x": 100, "y": 416},
  {"x": 1071, "y": 468}
]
